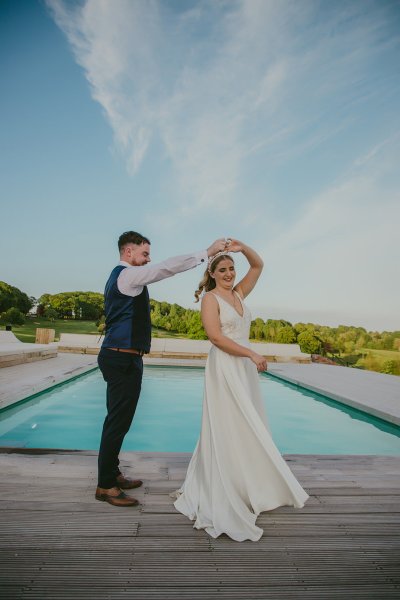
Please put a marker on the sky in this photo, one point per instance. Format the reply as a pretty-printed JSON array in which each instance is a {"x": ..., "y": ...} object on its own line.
[{"x": 275, "y": 122}]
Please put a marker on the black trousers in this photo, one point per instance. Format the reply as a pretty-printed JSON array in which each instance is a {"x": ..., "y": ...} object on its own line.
[{"x": 123, "y": 373}]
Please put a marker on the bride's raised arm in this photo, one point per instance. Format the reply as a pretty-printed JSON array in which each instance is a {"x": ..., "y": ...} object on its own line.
[{"x": 245, "y": 286}]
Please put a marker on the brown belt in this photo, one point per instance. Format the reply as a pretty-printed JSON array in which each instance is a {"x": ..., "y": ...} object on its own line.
[{"x": 130, "y": 350}]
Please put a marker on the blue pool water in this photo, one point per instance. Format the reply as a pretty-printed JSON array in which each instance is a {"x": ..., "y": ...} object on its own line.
[{"x": 169, "y": 414}]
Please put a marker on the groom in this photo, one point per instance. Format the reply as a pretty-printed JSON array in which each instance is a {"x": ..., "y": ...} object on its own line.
[{"x": 127, "y": 338}]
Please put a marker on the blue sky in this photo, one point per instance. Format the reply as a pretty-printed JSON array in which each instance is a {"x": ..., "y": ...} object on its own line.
[{"x": 273, "y": 121}]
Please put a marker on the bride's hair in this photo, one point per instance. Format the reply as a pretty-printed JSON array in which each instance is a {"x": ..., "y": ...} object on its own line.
[{"x": 208, "y": 282}]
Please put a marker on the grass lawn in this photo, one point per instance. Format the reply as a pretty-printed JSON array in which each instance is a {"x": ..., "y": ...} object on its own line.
[
  {"x": 374, "y": 360},
  {"x": 163, "y": 333},
  {"x": 27, "y": 332},
  {"x": 386, "y": 354}
]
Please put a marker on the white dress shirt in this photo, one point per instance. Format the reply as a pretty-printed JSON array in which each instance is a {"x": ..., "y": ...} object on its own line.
[{"x": 132, "y": 280}]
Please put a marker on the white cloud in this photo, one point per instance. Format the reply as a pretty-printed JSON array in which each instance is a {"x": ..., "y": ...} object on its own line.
[
  {"x": 232, "y": 90},
  {"x": 218, "y": 82},
  {"x": 114, "y": 47}
]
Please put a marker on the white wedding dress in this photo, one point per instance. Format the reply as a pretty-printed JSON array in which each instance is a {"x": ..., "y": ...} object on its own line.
[{"x": 236, "y": 471}]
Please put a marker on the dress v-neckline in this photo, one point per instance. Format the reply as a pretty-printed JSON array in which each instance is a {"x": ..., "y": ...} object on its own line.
[{"x": 231, "y": 305}]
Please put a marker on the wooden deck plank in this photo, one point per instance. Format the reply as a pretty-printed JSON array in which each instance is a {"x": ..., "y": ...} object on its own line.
[
  {"x": 383, "y": 543},
  {"x": 57, "y": 543},
  {"x": 47, "y": 592}
]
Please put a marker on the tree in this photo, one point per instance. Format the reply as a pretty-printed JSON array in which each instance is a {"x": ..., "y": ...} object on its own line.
[
  {"x": 64, "y": 304},
  {"x": 300, "y": 327},
  {"x": 12, "y": 316},
  {"x": 286, "y": 335},
  {"x": 388, "y": 340},
  {"x": 74, "y": 305},
  {"x": 257, "y": 329},
  {"x": 349, "y": 347},
  {"x": 101, "y": 324},
  {"x": 44, "y": 302},
  {"x": 308, "y": 343},
  {"x": 89, "y": 306},
  {"x": 390, "y": 367},
  {"x": 196, "y": 330},
  {"x": 12, "y": 297},
  {"x": 50, "y": 313},
  {"x": 186, "y": 321}
]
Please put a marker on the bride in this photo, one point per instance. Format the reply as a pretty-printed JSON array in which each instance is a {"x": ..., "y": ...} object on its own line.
[{"x": 236, "y": 471}]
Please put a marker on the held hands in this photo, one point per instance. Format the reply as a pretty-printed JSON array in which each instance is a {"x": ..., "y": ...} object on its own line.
[
  {"x": 225, "y": 244},
  {"x": 218, "y": 246},
  {"x": 234, "y": 245},
  {"x": 259, "y": 361}
]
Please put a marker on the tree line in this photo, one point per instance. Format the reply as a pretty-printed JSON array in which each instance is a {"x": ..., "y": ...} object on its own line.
[
  {"x": 84, "y": 306},
  {"x": 14, "y": 304},
  {"x": 344, "y": 339},
  {"x": 312, "y": 338}
]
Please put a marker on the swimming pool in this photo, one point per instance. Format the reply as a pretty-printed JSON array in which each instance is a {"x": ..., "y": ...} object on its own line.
[{"x": 168, "y": 417}]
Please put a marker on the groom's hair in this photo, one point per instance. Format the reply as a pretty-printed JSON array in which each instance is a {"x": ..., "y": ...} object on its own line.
[{"x": 131, "y": 237}]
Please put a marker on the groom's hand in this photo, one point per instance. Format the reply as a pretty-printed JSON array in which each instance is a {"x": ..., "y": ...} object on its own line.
[{"x": 218, "y": 246}]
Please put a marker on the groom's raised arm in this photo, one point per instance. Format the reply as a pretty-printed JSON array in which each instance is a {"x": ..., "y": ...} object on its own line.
[{"x": 132, "y": 279}]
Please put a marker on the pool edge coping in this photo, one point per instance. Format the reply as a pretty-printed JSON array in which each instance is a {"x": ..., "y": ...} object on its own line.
[
  {"x": 369, "y": 410},
  {"x": 46, "y": 388}
]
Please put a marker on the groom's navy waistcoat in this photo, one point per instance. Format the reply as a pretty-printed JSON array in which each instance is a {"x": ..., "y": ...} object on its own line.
[{"x": 128, "y": 323}]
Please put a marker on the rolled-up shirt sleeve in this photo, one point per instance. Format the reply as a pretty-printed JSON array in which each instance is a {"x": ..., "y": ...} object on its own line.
[{"x": 132, "y": 279}]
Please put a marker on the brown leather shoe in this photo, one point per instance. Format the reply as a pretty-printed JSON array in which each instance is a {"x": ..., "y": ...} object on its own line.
[
  {"x": 128, "y": 484},
  {"x": 115, "y": 497}
]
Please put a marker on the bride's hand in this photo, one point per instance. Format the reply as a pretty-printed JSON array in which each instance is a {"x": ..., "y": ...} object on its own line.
[
  {"x": 234, "y": 245},
  {"x": 259, "y": 361}
]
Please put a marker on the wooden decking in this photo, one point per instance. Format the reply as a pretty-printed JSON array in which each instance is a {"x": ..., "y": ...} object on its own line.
[{"x": 57, "y": 542}]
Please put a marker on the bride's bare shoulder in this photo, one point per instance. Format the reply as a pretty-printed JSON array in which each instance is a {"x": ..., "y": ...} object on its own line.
[{"x": 209, "y": 300}]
